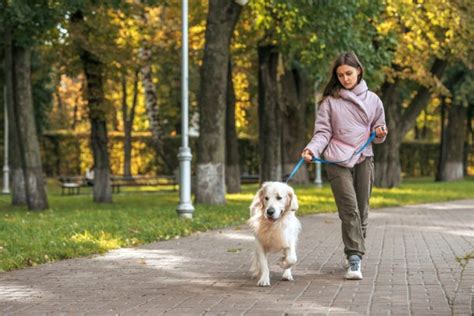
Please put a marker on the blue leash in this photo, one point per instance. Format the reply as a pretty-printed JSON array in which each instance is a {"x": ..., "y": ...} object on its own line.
[{"x": 315, "y": 159}]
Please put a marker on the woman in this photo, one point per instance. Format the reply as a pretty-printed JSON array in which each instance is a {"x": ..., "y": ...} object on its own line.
[{"x": 348, "y": 113}]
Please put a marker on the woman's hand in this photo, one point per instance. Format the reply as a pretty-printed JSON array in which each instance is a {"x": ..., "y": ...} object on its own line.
[
  {"x": 381, "y": 131},
  {"x": 307, "y": 155}
]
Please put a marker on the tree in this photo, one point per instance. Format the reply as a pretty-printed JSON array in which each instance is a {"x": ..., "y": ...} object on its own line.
[
  {"x": 150, "y": 90},
  {"x": 17, "y": 179},
  {"x": 128, "y": 116},
  {"x": 429, "y": 36},
  {"x": 26, "y": 130},
  {"x": 210, "y": 169},
  {"x": 232, "y": 167},
  {"x": 294, "y": 104},
  {"x": 399, "y": 121},
  {"x": 453, "y": 136},
  {"x": 93, "y": 70},
  {"x": 269, "y": 114},
  {"x": 308, "y": 34},
  {"x": 23, "y": 27}
]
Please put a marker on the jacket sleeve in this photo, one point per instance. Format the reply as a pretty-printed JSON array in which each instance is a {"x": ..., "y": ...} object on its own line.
[
  {"x": 379, "y": 120},
  {"x": 322, "y": 130}
]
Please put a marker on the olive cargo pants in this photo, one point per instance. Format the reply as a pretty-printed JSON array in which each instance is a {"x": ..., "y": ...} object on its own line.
[{"x": 351, "y": 188}]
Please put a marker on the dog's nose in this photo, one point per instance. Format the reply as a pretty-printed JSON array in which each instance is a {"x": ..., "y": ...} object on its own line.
[{"x": 270, "y": 211}]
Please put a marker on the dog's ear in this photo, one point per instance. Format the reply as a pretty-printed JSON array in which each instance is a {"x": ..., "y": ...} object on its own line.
[
  {"x": 293, "y": 200},
  {"x": 257, "y": 203}
]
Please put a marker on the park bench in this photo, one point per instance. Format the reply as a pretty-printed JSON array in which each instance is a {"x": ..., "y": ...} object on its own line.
[
  {"x": 249, "y": 178},
  {"x": 139, "y": 181},
  {"x": 72, "y": 184}
]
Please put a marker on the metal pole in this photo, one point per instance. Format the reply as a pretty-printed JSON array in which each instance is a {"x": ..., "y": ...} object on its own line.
[
  {"x": 6, "y": 170},
  {"x": 185, "y": 207},
  {"x": 318, "y": 181}
]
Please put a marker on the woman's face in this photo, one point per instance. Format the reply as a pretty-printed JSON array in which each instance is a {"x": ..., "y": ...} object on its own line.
[{"x": 347, "y": 76}]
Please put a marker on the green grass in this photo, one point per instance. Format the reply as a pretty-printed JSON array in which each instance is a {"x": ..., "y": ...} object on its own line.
[{"x": 74, "y": 226}]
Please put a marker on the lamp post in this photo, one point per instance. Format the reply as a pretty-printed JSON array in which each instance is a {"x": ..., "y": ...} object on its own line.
[
  {"x": 6, "y": 170},
  {"x": 185, "y": 207},
  {"x": 318, "y": 181}
]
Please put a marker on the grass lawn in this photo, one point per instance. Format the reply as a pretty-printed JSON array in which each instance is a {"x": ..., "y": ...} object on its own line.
[{"x": 74, "y": 226}]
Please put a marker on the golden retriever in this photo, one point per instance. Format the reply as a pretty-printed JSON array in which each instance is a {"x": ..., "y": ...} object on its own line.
[{"x": 276, "y": 228}]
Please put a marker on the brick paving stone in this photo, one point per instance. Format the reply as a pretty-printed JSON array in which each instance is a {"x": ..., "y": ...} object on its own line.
[{"x": 412, "y": 267}]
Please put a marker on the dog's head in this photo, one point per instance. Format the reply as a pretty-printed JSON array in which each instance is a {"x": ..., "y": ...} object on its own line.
[{"x": 273, "y": 200}]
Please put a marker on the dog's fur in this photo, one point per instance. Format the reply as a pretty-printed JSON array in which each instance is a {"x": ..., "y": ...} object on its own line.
[{"x": 276, "y": 228}]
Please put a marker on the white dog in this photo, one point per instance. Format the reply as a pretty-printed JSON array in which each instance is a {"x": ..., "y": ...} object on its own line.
[{"x": 276, "y": 228}]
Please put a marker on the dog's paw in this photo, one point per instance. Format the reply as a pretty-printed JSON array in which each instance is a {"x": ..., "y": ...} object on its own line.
[
  {"x": 286, "y": 262},
  {"x": 287, "y": 276},
  {"x": 255, "y": 274},
  {"x": 263, "y": 282}
]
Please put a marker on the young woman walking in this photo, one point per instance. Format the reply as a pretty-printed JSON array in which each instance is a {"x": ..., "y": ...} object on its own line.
[{"x": 348, "y": 113}]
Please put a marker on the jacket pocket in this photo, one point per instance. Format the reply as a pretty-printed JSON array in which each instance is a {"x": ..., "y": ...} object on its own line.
[{"x": 338, "y": 151}]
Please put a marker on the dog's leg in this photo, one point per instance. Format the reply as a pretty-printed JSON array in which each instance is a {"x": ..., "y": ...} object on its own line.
[
  {"x": 288, "y": 260},
  {"x": 262, "y": 263},
  {"x": 289, "y": 257},
  {"x": 255, "y": 267},
  {"x": 287, "y": 276}
]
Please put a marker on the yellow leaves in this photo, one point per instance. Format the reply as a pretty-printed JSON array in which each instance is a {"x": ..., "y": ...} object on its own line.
[
  {"x": 104, "y": 240},
  {"x": 435, "y": 46},
  {"x": 391, "y": 10},
  {"x": 313, "y": 38},
  {"x": 435, "y": 102},
  {"x": 385, "y": 27},
  {"x": 241, "y": 85},
  {"x": 423, "y": 30},
  {"x": 69, "y": 107},
  {"x": 196, "y": 38},
  {"x": 449, "y": 35}
]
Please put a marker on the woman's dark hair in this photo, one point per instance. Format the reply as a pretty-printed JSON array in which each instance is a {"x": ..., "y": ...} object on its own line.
[{"x": 333, "y": 86}]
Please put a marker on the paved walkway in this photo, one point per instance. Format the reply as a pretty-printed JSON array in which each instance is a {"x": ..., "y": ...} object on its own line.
[{"x": 412, "y": 268}]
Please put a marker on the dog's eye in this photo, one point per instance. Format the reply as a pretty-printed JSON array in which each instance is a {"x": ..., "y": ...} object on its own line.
[
  {"x": 279, "y": 198},
  {"x": 266, "y": 198}
]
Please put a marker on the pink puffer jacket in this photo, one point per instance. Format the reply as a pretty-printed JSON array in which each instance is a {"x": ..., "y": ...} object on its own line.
[{"x": 343, "y": 125}]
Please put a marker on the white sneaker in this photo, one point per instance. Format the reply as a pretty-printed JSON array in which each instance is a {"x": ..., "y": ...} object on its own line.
[
  {"x": 345, "y": 262},
  {"x": 353, "y": 272}
]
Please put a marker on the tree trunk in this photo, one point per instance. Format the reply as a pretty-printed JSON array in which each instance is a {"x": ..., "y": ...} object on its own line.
[
  {"x": 388, "y": 163},
  {"x": 469, "y": 139},
  {"x": 294, "y": 96},
  {"x": 388, "y": 168},
  {"x": 26, "y": 130},
  {"x": 452, "y": 167},
  {"x": 151, "y": 97},
  {"x": 232, "y": 168},
  {"x": 221, "y": 20},
  {"x": 93, "y": 70},
  {"x": 387, "y": 155},
  {"x": 17, "y": 179},
  {"x": 442, "y": 145},
  {"x": 269, "y": 114},
  {"x": 451, "y": 156},
  {"x": 75, "y": 111},
  {"x": 128, "y": 118}
]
